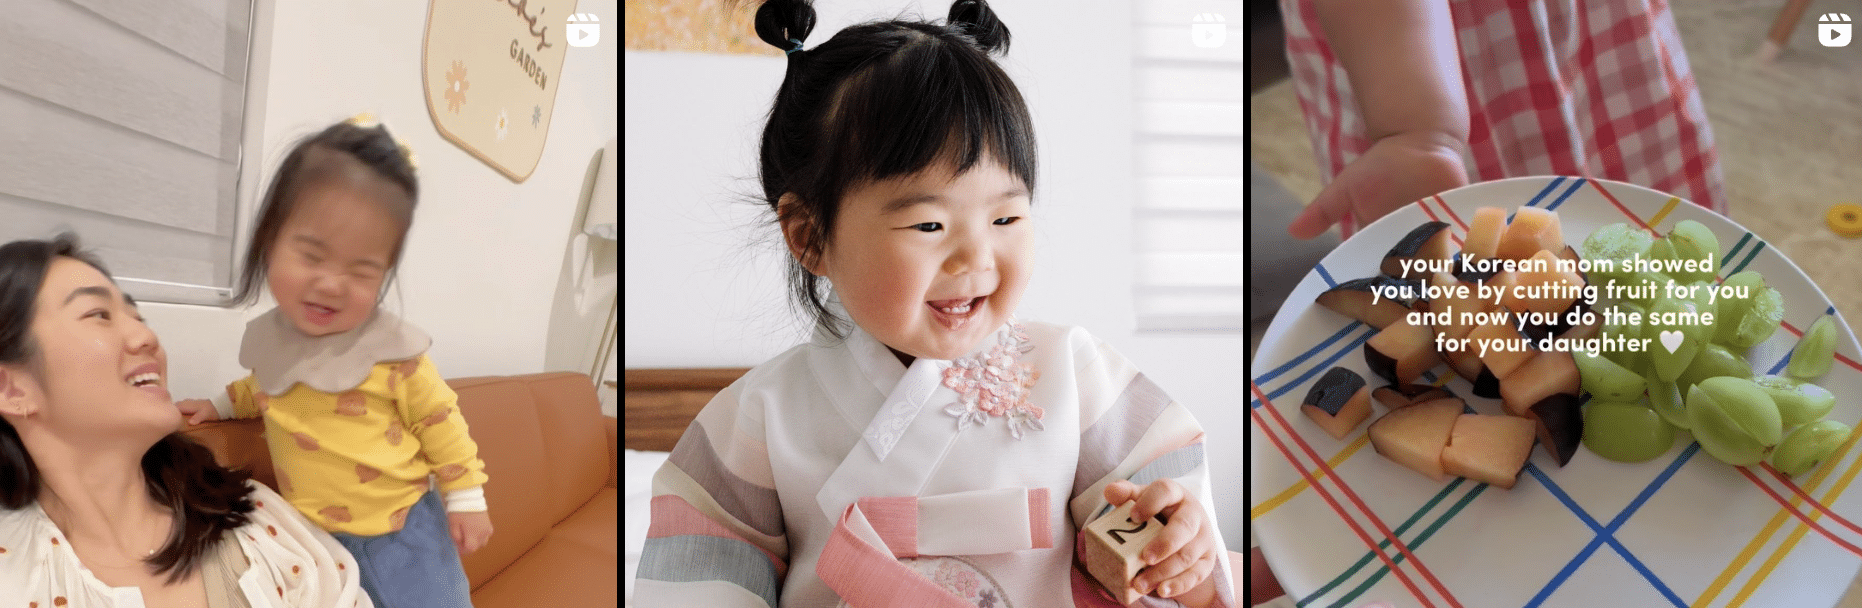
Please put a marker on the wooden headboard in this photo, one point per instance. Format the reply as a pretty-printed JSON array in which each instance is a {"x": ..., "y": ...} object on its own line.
[{"x": 660, "y": 403}]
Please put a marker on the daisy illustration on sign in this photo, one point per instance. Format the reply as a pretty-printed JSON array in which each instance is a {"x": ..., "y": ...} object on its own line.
[
  {"x": 481, "y": 61},
  {"x": 456, "y": 85}
]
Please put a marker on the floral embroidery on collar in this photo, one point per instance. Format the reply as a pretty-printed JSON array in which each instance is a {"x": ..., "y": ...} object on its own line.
[{"x": 996, "y": 383}]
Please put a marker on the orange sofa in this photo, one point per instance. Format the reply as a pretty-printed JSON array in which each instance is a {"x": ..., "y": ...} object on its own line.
[{"x": 553, "y": 460}]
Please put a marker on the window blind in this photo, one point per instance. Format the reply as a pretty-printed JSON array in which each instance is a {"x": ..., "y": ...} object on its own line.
[
  {"x": 122, "y": 120},
  {"x": 1191, "y": 163}
]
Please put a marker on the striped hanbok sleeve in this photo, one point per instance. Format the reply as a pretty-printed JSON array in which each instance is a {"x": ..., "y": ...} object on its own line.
[
  {"x": 1132, "y": 430},
  {"x": 717, "y": 535}
]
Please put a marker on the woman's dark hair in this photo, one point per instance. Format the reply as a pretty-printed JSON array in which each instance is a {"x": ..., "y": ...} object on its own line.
[
  {"x": 881, "y": 100},
  {"x": 207, "y": 500},
  {"x": 329, "y": 157}
]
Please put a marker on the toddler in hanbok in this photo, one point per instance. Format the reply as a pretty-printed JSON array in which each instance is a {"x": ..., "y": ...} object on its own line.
[
  {"x": 925, "y": 448},
  {"x": 358, "y": 420}
]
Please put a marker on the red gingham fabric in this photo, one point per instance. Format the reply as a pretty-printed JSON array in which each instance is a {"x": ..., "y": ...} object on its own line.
[{"x": 1555, "y": 87}]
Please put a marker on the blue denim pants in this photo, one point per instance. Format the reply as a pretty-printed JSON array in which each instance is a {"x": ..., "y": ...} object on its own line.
[{"x": 417, "y": 567}]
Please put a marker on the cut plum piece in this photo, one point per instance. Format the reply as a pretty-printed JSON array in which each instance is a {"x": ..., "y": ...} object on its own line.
[
  {"x": 1357, "y": 299},
  {"x": 1561, "y": 425},
  {"x": 1465, "y": 363},
  {"x": 1470, "y": 272},
  {"x": 1338, "y": 402},
  {"x": 1415, "y": 436},
  {"x": 1462, "y": 308},
  {"x": 1505, "y": 348},
  {"x": 1488, "y": 449},
  {"x": 1426, "y": 242},
  {"x": 1487, "y": 385},
  {"x": 1403, "y": 395},
  {"x": 1546, "y": 374},
  {"x": 1531, "y": 231},
  {"x": 1401, "y": 352}
]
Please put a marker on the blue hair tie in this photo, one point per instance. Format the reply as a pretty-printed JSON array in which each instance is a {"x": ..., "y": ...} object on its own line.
[{"x": 798, "y": 46}]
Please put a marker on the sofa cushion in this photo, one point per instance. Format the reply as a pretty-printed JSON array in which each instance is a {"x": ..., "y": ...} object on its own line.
[
  {"x": 502, "y": 417},
  {"x": 560, "y": 571},
  {"x": 575, "y": 439},
  {"x": 594, "y": 526}
]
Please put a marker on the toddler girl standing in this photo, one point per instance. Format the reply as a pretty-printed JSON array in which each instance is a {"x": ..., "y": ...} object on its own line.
[
  {"x": 925, "y": 448},
  {"x": 356, "y": 416}
]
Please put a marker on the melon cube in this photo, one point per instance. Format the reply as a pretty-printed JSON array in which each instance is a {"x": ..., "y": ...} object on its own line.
[
  {"x": 1484, "y": 232},
  {"x": 1488, "y": 449},
  {"x": 1414, "y": 436},
  {"x": 1556, "y": 289},
  {"x": 1532, "y": 230}
]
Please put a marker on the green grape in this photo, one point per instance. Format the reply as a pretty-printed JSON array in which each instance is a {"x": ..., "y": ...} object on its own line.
[
  {"x": 1665, "y": 398},
  {"x": 1741, "y": 402},
  {"x": 1707, "y": 305},
  {"x": 1799, "y": 402},
  {"x": 1636, "y": 361},
  {"x": 1669, "y": 365},
  {"x": 1730, "y": 309},
  {"x": 1760, "y": 321},
  {"x": 1722, "y": 439},
  {"x": 1808, "y": 445},
  {"x": 1713, "y": 361},
  {"x": 1690, "y": 240},
  {"x": 1604, "y": 379},
  {"x": 1647, "y": 286},
  {"x": 1616, "y": 242},
  {"x": 1815, "y": 351},
  {"x": 1625, "y": 431}
]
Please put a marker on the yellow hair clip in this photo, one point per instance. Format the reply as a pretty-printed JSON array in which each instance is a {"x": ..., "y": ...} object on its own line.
[{"x": 367, "y": 120}]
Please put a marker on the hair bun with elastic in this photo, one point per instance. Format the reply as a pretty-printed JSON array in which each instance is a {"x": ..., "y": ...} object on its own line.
[
  {"x": 978, "y": 21},
  {"x": 785, "y": 23},
  {"x": 367, "y": 120}
]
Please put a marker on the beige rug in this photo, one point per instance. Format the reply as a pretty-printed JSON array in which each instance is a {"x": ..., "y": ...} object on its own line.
[{"x": 1789, "y": 133}]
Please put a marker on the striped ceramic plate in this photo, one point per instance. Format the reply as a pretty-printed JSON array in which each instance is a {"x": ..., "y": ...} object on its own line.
[{"x": 1343, "y": 526}]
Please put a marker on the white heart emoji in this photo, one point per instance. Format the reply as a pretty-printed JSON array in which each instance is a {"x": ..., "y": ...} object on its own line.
[{"x": 1671, "y": 340}]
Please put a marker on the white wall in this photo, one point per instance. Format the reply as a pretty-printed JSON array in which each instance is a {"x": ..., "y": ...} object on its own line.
[
  {"x": 482, "y": 260},
  {"x": 704, "y": 276}
]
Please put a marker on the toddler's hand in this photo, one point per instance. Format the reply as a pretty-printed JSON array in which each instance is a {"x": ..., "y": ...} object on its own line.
[
  {"x": 1395, "y": 171},
  {"x": 471, "y": 530},
  {"x": 197, "y": 410},
  {"x": 1183, "y": 555}
]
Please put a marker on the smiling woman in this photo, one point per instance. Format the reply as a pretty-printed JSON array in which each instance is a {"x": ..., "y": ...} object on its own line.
[{"x": 102, "y": 504}]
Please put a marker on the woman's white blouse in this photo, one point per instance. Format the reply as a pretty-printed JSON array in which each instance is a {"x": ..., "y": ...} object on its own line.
[{"x": 293, "y": 564}]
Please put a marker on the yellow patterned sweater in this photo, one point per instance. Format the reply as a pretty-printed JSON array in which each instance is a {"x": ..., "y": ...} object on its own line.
[{"x": 356, "y": 461}]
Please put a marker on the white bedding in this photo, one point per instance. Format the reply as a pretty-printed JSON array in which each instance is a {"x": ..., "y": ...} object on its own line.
[{"x": 637, "y": 496}]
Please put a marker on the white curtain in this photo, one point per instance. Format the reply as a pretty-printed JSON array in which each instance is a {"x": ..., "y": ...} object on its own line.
[
  {"x": 1191, "y": 158},
  {"x": 121, "y": 120}
]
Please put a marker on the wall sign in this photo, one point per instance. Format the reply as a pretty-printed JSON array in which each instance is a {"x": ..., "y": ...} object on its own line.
[{"x": 490, "y": 69}]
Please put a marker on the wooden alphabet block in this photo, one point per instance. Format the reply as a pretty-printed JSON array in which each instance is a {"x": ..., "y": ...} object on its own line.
[{"x": 1113, "y": 545}]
